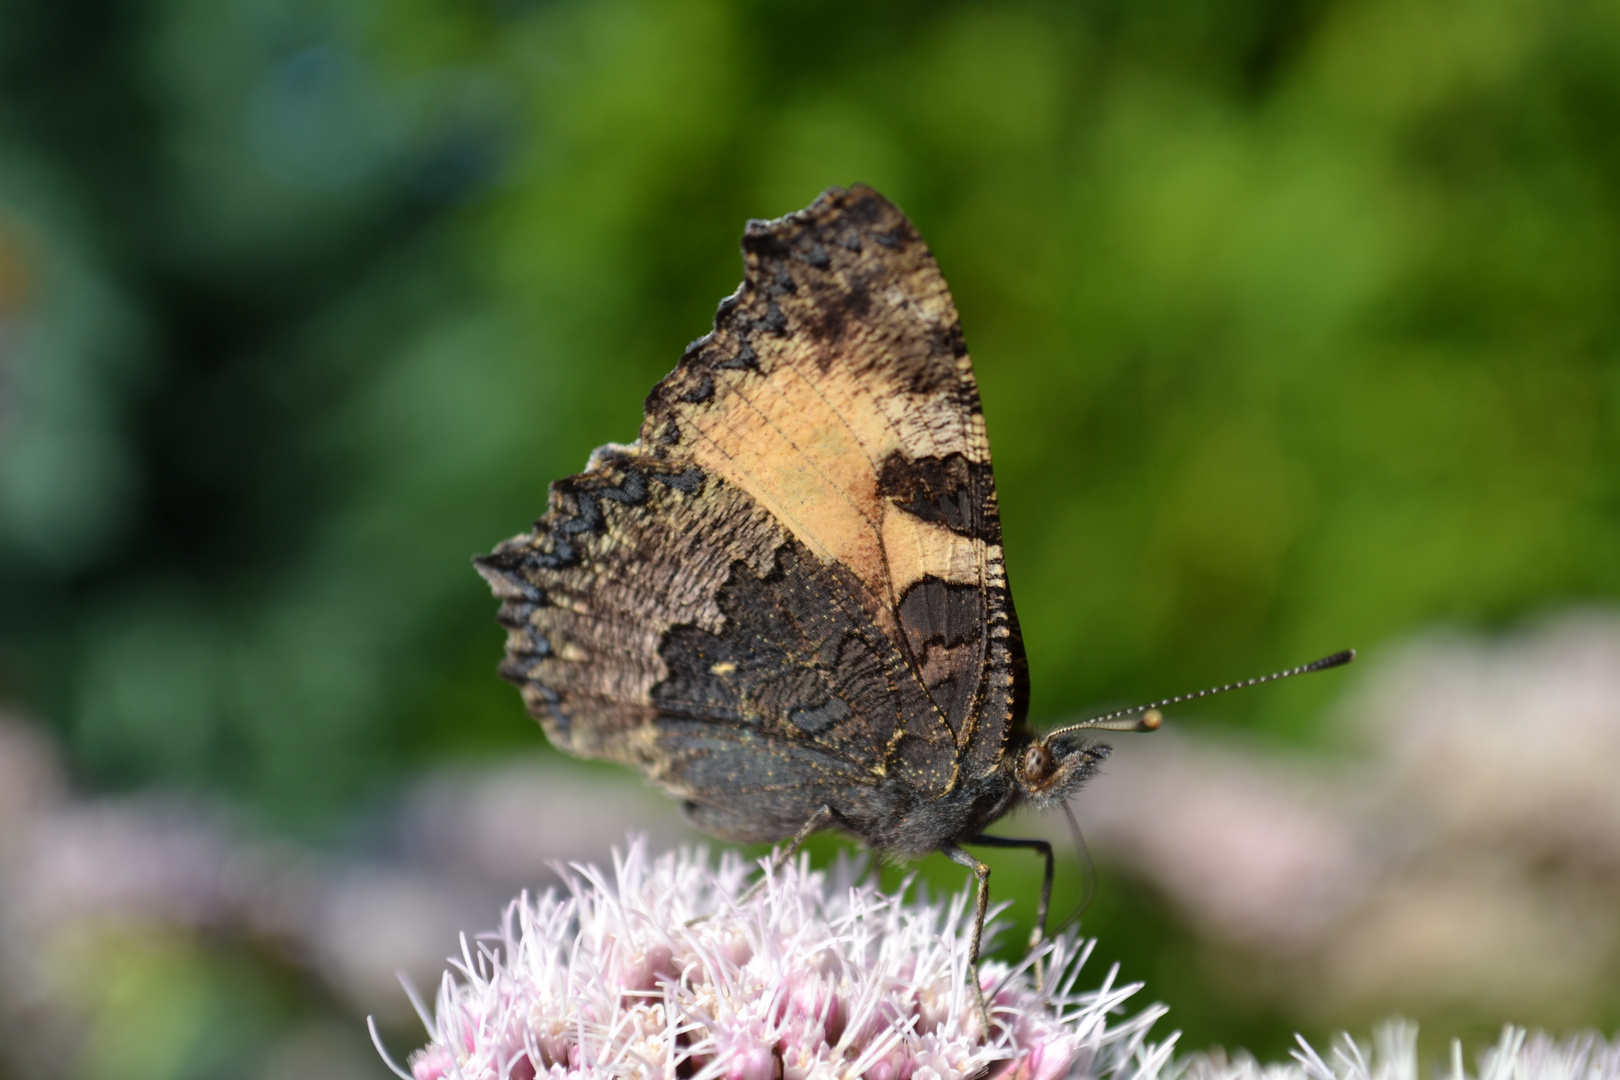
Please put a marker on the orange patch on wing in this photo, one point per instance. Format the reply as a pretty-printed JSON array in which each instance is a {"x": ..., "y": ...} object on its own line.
[{"x": 808, "y": 445}]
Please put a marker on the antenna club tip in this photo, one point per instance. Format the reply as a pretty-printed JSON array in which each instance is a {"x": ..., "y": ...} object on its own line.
[
  {"x": 1150, "y": 720},
  {"x": 1338, "y": 659}
]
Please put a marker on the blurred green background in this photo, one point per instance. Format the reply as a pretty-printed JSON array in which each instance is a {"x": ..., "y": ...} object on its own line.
[{"x": 1296, "y": 324}]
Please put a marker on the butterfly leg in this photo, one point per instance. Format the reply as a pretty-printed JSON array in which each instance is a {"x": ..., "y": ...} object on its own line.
[
  {"x": 1037, "y": 935},
  {"x": 980, "y": 905},
  {"x": 820, "y": 819}
]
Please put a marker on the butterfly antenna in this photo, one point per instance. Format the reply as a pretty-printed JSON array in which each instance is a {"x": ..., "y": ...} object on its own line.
[{"x": 1148, "y": 717}]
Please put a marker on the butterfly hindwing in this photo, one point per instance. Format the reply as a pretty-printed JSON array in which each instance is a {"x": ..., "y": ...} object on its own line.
[{"x": 653, "y": 596}]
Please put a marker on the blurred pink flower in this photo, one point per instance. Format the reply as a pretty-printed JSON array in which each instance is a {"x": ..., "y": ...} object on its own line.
[{"x": 661, "y": 973}]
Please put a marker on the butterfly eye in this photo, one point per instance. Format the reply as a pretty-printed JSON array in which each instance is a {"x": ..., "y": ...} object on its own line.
[{"x": 1037, "y": 764}]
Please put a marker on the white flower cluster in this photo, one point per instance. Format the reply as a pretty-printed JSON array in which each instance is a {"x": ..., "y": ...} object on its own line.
[
  {"x": 1393, "y": 1055},
  {"x": 661, "y": 974}
]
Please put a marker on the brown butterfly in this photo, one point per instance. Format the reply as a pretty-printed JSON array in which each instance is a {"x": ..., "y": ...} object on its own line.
[{"x": 786, "y": 602}]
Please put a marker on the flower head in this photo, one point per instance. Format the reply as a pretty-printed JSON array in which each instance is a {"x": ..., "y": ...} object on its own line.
[{"x": 660, "y": 973}]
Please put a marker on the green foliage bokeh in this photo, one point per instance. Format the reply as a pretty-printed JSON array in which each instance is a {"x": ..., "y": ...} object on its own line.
[{"x": 1295, "y": 323}]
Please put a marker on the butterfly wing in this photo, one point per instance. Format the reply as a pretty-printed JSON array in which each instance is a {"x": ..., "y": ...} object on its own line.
[
  {"x": 802, "y": 554},
  {"x": 656, "y": 613}
]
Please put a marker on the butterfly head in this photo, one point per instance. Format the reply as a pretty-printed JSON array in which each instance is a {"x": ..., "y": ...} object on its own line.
[{"x": 1053, "y": 768}]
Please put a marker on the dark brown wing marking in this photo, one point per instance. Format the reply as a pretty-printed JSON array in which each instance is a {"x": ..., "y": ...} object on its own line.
[{"x": 755, "y": 787}]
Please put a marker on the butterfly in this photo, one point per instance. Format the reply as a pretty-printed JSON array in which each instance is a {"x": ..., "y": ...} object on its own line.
[{"x": 786, "y": 602}]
